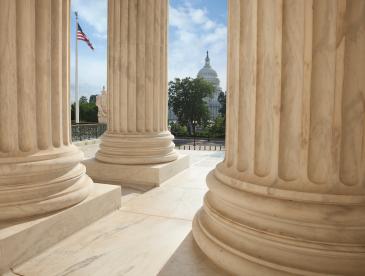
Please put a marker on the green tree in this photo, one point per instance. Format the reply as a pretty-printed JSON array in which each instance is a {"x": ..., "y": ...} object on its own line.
[
  {"x": 92, "y": 99},
  {"x": 83, "y": 100},
  {"x": 73, "y": 118},
  {"x": 218, "y": 128},
  {"x": 186, "y": 98},
  {"x": 178, "y": 130},
  {"x": 88, "y": 111}
]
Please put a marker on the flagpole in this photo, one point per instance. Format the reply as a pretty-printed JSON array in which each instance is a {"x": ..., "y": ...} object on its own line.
[{"x": 77, "y": 76}]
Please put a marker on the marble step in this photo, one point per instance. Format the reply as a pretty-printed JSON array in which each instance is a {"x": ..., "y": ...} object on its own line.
[
  {"x": 129, "y": 197},
  {"x": 149, "y": 235},
  {"x": 22, "y": 240}
]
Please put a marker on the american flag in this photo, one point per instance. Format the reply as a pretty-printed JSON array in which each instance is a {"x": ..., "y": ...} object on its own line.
[{"x": 82, "y": 36}]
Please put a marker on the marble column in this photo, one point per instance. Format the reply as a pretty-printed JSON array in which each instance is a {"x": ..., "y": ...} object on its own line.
[
  {"x": 289, "y": 197},
  {"x": 137, "y": 84},
  {"x": 137, "y": 149},
  {"x": 40, "y": 170}
]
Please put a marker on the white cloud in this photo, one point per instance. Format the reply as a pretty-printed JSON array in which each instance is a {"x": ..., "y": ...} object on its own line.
[
  {"x": 92, "y": 76},
  {"x": 193, "y": 32},
  {"x": 92, "y": 64},
  {"x": 95, "y": 14}
]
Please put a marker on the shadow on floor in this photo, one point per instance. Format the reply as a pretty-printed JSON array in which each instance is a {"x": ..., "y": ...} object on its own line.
[{"x": 188, "y": 259}]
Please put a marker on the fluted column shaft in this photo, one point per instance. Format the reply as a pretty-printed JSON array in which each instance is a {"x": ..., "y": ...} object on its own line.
[
  {"x": 137, "y": 84},
  {"x": 40, "y": 170},
  {"x": 289, "y": 198}
]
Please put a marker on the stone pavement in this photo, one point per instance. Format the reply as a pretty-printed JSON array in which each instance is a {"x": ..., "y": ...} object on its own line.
[{"x": 149, "y": 235}]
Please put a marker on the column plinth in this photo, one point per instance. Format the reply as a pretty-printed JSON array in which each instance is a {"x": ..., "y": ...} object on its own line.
[
  {"x": 289, "y": 198},
  {"x": 137, "y": 148},
  {"x": 137, "y": 136},
  {"x": 40, "y": 170}
]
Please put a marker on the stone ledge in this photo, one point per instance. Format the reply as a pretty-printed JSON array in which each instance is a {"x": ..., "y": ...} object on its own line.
[
  {"x": 22, "y": 240},
  {"x": 141, "y": 177}
]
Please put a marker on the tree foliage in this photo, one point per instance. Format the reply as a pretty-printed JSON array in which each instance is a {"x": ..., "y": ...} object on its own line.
[
  {"x": 83, "y": 100},
  {"x": 186, "y": 98},
  {"x": 218, "y": 128},
  {"x": 178, "y": 130},
  {"x": 92, "y": 99},
  {"x": 88, "y": 111}
]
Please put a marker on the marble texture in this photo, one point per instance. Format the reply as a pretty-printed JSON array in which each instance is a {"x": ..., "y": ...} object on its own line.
[
  {"x": 23, "y": 239},
  {"x": 120, "y": 244},
  {"x": 137, "y": 85},
  {"x": 188, "y": 259},
  {"x": 289, "y": 197},
  {"x": 88, "y": 147},
  {"x": 143, "y": 177},
  {"x": 40, "y": 170},
  {"x": 137, "y": 148},
  {"x": 169, "y": 201},
  {"x": 136, "y": 240}
]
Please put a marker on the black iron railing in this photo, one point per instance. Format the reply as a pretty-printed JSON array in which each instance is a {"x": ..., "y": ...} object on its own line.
[
  {"x": 87, "y": 131},
  {"x": 82, "y": 132}
]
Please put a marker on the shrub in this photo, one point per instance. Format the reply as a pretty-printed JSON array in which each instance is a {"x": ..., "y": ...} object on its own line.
[{"x": 178, "y": 130}]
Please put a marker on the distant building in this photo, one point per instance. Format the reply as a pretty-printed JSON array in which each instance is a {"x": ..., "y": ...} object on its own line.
[
  {"x": 209, "y": 74},
  {"x": 171, "y": 116}
]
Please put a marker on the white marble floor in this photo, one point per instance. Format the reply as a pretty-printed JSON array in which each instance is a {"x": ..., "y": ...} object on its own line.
[{"x": 149, "y": 235}]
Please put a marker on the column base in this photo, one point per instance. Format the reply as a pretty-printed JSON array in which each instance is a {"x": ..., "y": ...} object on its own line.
[
  {"x": 137, "y": 149},
  {"x": 227, "y": 257},
  {"x": 24, "y": 239},
  {"x": 253, "y": 233},
  {"x": 141, "y": 177},
  {"x": 42, "y": 182}
]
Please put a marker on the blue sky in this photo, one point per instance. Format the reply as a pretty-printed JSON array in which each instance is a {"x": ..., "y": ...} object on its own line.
[{"x": 195, "y": 26}]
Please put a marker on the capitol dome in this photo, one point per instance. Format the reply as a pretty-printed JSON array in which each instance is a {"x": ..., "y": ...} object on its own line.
[{"x": 208, "y": 73}]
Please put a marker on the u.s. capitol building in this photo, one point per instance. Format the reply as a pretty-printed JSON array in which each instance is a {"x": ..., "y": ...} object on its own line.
[{"x": 209, "y": 74}]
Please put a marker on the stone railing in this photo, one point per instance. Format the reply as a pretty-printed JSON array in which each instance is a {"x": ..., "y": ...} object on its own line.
[{"x": 87, "y": 131}]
